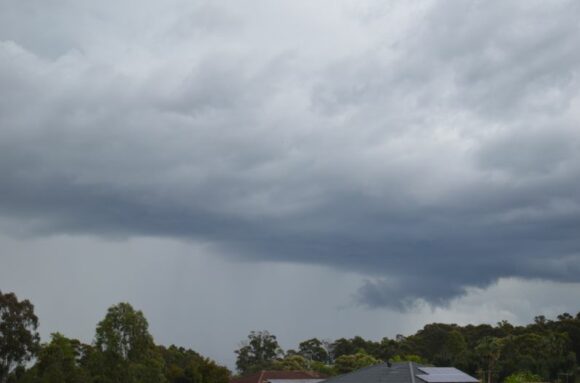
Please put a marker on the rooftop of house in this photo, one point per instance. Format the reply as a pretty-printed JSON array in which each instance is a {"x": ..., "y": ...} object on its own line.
[
  {"x": 406, "y": 372},
  {"x": 270, "y": 376}
]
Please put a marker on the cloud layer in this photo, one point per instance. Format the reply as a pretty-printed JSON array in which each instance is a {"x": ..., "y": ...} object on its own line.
[{"x": 430, "y": 146}]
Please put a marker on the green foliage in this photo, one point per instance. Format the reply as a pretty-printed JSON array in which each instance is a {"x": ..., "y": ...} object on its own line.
[
  {"x": 522, "y": 377},
  {"x": 546, "y": 348},
  {"x": 409, "y": 358},
  {"x": 61, "y": 361},
  {"x": 348, "y": 363},
  {"x": 387, "y": 349},
  {"x": 19, "y": 338},
  {"x": 291, "y": 363},
  {"x": 545, "y": 354},
  {"x": 453, "y": 351},
  {"x": 124, "y": 333},
  {"x": 314, "y": 350},
  {"x": 296, "y": 362},
  {"x": 127, "y": 352},
  {"x": 258, "y": 352},
  {"x": 322, "y": 368},
  {"x": 351, "y": 346},
  {"x": 489, "y": 350},
  {"x": 124, "y": 351},
  {"x": 187, "y": 366}
]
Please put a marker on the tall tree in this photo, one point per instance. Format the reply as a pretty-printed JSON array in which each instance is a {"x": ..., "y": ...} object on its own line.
[
  {"x": 127, "y": 352},
  {"x": 313, "y": 350},
  {"x": 19, "y": 337},
  {"x": 452, "y": 351},
  {"x": 124, "y": 332},
  {"x": 258, "y": 352},
  {"x": 387, "y": 349},
  {"x": 60, "y": 361},
  {"x": 489, "y": 349}
]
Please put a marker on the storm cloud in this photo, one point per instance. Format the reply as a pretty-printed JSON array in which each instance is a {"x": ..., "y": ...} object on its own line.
[{"x": 433, "y": 147}]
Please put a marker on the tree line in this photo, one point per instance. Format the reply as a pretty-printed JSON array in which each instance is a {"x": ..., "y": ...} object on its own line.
[
  {"x": 543, "y": 351},
  {"x": 123, "y": 350}
]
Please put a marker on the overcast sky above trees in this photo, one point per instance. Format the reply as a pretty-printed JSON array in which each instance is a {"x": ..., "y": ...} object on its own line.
[{"x": 367, "y": 166}]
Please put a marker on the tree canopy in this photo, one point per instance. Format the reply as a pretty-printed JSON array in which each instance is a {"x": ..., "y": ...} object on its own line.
[
  {"x": 545, "y": 348},
  {"x": 123, "y": 350},
  {"x": 18, "y": 333},
  {"x": 258, "y": 352}
]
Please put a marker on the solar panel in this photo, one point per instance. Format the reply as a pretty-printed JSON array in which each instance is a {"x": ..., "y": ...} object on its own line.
[
  {"x": 459, "y": 377},
  {"x": 441, "y": 370}
]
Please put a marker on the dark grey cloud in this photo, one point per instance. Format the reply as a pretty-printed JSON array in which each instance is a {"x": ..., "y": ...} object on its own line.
[{"x": 433, "y": 147}]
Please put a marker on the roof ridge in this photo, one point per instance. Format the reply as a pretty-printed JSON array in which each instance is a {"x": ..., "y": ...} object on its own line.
[
  {"x": 411, "y": 370},
  {"x": 309, "y": 372}
]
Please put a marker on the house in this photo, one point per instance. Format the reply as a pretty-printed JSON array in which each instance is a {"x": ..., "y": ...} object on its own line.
[
  {"x": 407, "y": 372},
  {"x": 268, "y": 376}
]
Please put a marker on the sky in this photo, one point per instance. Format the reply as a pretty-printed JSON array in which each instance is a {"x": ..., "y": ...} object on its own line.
[{"x": 329, "y": 168}]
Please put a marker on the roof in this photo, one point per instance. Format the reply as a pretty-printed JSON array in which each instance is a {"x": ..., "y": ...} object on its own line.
[
  {"x": 445, "y": 375},
  {"x": 407, "y": 372},
  {"x": 295, "y": 380},
  {"x": 379, "y": 373},
  {"x": 269, "y": 375}
]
